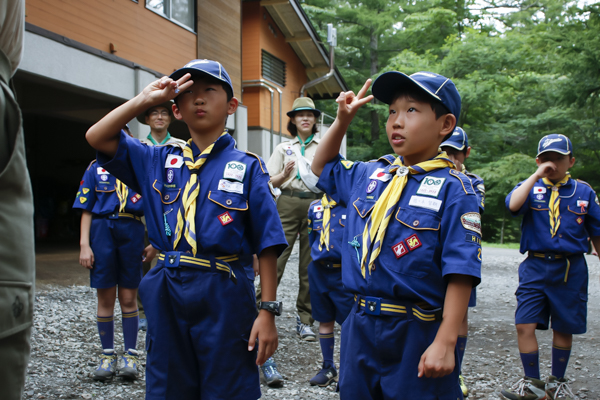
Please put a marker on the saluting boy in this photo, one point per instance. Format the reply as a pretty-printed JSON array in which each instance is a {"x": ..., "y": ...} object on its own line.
[
  {"x": 458, "y": 150},
  {"x": 559, "y": 214},
  {"x": 330, "y": 301},
  {"x": 412, "y": 251},
  {"x": 209, "y": 208}
]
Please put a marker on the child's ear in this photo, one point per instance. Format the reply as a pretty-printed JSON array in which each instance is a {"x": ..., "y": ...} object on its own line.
[
  {"x": 232, "y": 105},
  {"x": 571, "y": 162},
  {"x": 448, "y": 124},
  {"x": 537, "y": 161},
  {"x": 468, "y": 153},
  {"x": 176, "y": 112}
]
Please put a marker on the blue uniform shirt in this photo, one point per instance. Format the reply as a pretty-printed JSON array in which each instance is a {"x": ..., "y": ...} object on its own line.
[
  {"x": 98, "y": 193},
  {"x": 479, "y": 187},
  {"x": 434, "y": 231},
  {"x": 579, "y": 218},
  {"x": 236, "y": 212},
  {"x": 337, "y": 224}
]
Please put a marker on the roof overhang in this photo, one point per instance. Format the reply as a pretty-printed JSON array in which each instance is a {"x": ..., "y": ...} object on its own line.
[{"x": 293, "y": 22}]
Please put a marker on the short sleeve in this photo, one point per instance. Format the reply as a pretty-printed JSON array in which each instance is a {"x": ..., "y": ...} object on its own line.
[
  {"x": 592, "y": 219},
  {"x": 479, "y": 187},
  {"x": 86, "y": 195},
  {"x": 266, "y": 228},
  {"x": 275, "y": 163},
  {"x": 312, "y": 235},
  {"x": 339, "y": 177},
  {"x": 524, "y": 208},
  {"x": 132, "y": 162}
]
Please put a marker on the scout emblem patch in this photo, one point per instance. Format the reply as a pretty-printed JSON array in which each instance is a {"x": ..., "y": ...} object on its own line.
[
  {"x": 472, "y": 222},
  {"x": 173, "y": 161},
  {"x": 582, "y": 204},
  {"x": 289, "y": 152},
  {"x": 170, "y": 175},
  {"x": 399, "y": 249},
  {"x": 235, "y": 170},
  {"x": 372, "y": 186},
  {"x": 82, "y": 199},
  {"x": 431, "y": 186},
  {"x": 104, "y": 177},
  {"x": 225, "y": 218},
  {"x": 347, "y": 164},
  {"x": 413, "y": 242},
  {"x": 85, "y": 190},
  {"x": 539, "y": 196}
]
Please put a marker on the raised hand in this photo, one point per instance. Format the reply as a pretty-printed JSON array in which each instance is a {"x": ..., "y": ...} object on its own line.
[
  {"x": 165, "y": 89},
  {"x": 349, "y": 103}
]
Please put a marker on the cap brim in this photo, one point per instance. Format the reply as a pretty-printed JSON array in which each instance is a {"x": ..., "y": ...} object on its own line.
[
  {"x": 293, "y": 112},
  {"x": 388, "y": 84},
  {"x": 454, "y": 146},
  {"x": 167, "y": 104},
  {"x": 195, "y": 71},
  {"x": 564, "y": 153}
]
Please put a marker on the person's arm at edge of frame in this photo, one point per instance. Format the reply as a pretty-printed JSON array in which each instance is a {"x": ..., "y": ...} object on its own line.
[
  {"x": 104, "y": 134},
  {"x": 520, "y": 194},
  {"x": 264, "y": 326},
  {"x": 595, "y": 242},
  {"x": 438, "y": 360},
  {"x": 86, "y": 255},
  {"x": 348, "y": 105}
]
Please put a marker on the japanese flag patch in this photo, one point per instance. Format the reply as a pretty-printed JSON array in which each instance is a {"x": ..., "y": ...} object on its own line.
[
  {"x": 173, "y": 161},
  {"x": 381, "y": 175},
  {"x": 317, "y": 208},
  {"x": 539, "y": 190},
  {"x": 102, "y": 171}
]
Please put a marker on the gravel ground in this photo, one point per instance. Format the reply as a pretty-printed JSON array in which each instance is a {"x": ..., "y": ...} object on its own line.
[{"x": 65, "y": 345}]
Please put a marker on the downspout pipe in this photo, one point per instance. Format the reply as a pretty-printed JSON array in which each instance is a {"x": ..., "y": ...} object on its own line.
[
  {"x": 269, "y": 84},
  {"x": 270, "y": 90},
  {"x": 324, "y": 77}
]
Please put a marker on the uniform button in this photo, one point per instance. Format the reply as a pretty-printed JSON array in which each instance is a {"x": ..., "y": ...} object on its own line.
[
  {"x": 559, "y": 235},
  {"x": 228, "y": 202},
  {"x": 333, "y": 215},
  {"x": 331, "y": 247},
  {"x": 539, "y": 206},
  {"x": 416, "y": 222},
  {"x": 332, "y": 230}
]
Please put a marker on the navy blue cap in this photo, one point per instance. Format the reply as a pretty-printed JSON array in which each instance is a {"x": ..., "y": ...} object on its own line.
[
  {"x": 555, "y": 142},
  {"x": 458, "y": 140},
  {"x": 207, "y": 67},
  {"x": 440, "y": 88}
]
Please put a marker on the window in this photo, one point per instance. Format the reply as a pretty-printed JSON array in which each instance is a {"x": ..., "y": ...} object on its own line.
[
  {"x": 273, "y": 68},
  {"x": 179, "y": 11}
]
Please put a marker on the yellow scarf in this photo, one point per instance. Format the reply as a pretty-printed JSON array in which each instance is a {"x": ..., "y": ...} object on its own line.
[
  {"x": 327, "y": 206},
  {"x": 122, "y": 193},
  {"x": 190, "y": 194},
  {"x": 554, "y": 203},
  {"x": 380, "y": 216}
]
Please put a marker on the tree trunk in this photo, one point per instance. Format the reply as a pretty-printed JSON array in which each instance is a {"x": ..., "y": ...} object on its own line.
[
  {"x": 502, "y": 228},
  {"x": 374, "y": 70}
]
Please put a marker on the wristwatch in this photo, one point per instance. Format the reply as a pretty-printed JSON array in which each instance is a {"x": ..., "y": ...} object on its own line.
[{"x": 271, "y": 306}]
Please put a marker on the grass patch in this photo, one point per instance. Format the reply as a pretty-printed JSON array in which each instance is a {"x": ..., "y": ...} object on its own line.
[{"x": 501, "y": 246}]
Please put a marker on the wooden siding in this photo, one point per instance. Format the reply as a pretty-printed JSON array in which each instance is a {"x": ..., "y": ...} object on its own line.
[
  {"x": 259, "y": 32},
  {"x": 138, "y": 34},
  {"x": 220, "y": 36}
]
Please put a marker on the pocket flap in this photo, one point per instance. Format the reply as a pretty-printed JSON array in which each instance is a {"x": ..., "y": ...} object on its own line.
[
  {"x": 103, "y": 190},
  {"x": 167, "y": 196},
  {"x": 15, "y": 300},
  {"x": 363, "y": 207},
  {"x": 418, "y": 220},
  {"x": 576, "y": 212},
  {"x": 228, "y": 200}
]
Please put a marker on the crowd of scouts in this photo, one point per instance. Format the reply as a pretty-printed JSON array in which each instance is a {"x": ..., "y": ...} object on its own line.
[{"x": 394, "y": 243}]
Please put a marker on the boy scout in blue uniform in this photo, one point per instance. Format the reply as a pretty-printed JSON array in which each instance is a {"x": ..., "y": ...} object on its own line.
[
  {"x": 329, "y": 300},
  {"x": 559, "y": 214},
  {"x": 412, "y": 251},
  {"x": 112, "y": 247},
  {"x": 458, "y": 150},
  {"x": 209, "y": 208}
]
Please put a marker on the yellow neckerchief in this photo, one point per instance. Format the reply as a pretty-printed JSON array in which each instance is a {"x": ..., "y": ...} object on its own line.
[
  {"x": 190, "y": 194},
  {"x": 464, "y": 169},
  {"x": 554, "y": 203},
  {"x": 384, "y": 207},
  {"x": 122, "y": 193},
  {"x": 327, "y": 206}
]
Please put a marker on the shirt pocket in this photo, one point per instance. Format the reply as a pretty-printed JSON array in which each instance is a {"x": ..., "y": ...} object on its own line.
[
  {"x": 363, "y": 207},
  {"x": 413, "y": 237},
  {"x": 15, "y": 300},
  {"x": 224, "y": 218}
]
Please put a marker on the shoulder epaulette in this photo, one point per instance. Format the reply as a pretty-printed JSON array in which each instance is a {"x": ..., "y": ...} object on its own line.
[
  {"x": 90, "y": 166},
  {"x": 316, "y": 201},
  {"x": 260, "y": 161},
  {"x": 585, "y": 183},
  {"x": 464, "y": 180},
  {"x": 389, "y": 158}
]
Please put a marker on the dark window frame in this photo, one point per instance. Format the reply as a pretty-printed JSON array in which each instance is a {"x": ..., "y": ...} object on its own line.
[{"x": 273, "y": 69}]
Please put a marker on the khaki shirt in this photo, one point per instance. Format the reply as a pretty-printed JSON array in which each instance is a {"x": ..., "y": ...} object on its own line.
[
  {"x": 284, "y": 153},
  {"x": 12, "y": 22},
  {"x": 170, "y": 141}
]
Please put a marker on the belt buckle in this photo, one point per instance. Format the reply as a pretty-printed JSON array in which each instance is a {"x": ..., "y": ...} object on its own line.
[
  {"x": 113, "y": 216},
  {"x": 549, "y": 256},
  {"x": 372, "y": 305},
  {"x": 172, "y": 260}
]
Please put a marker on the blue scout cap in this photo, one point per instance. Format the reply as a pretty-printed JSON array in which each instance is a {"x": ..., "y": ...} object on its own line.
[
  {"x": 207, "y": 67},
  {"x": 458, "y": 140},
  {"x": 437, "y": 86},
  {"x": 556, "y": 143}
]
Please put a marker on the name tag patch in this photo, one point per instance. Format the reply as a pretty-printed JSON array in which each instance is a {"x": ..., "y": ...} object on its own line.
[
  {"x": 381, "y": 175},
  {"x": 225, "y": 218},
  {"x": 472, "y": 222},
  {"x": 431, "y": 186},
  {"x": 425, "y": 202},
  {"x": 231, "y": 187},
  {"x": 235, "y": 170},
  {"x": 539, "y": 189},
  {"x": 173, "y": 161}
]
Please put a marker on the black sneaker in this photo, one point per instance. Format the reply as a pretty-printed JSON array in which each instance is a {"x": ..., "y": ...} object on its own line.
[{"x": 324, "y": 377}]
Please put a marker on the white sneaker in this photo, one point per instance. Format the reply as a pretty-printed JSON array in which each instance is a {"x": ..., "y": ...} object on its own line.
[{"x": 304, "y": 331}]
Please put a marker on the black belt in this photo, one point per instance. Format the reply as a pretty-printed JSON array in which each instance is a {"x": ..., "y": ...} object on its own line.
[
  {"x": 121, "y": 215},
  {"x": 550, "y": 256},
  {"x": 395, "y": 308},
  {"x": 301, "y": 195},
  {"x": 176, "y": 259},
  {"x": 328, "y": 264}
]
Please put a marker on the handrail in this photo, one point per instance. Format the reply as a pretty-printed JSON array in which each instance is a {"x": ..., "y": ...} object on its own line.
[{"x": 280, "y": 100}]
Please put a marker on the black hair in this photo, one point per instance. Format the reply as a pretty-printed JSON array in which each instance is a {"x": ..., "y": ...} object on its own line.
[
  {"x": 210, "y": 79},
  {"x": 293, "y": 129},
  {"x": 452, "y": 150}
]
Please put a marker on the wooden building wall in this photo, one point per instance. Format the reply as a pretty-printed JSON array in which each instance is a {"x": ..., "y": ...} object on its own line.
[
  {"x": 138, "y": 34},
  {"x": 259, "y": 31}
]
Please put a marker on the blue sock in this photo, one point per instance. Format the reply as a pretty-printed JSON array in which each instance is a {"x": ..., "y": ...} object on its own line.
[
  {"x": 327, "y": 341},
  {"x": 560, "y": 360},
  {"x": 461, "y": 345},
  {"x": 106, "y": 329},
  {"x": 531, "y": 364},
  {"x": 130, "y": 329}
]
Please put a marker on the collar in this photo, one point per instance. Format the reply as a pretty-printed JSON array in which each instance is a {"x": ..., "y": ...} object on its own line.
[
  {"x": 221, "y": 143},
  {"x": 417, "y": 177},
  {"x": 154, "y": 142},
  {"x": 565, "y": 191},
  {"x": 295, "y": 140}
]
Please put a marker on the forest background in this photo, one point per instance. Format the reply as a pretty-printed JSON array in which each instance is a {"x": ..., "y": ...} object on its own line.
[{"x": 524, "y": 69}]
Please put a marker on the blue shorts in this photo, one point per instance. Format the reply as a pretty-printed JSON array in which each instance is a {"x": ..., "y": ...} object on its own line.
[
  {"x": 199, "y": 324},
  {"x": 549, "y": 290},
  {"x": 473, "y": 298},
  {"x": 118, "y": 245},
  {"x": 380, "y": 356},
  {"x": 328, "y": 299}
]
